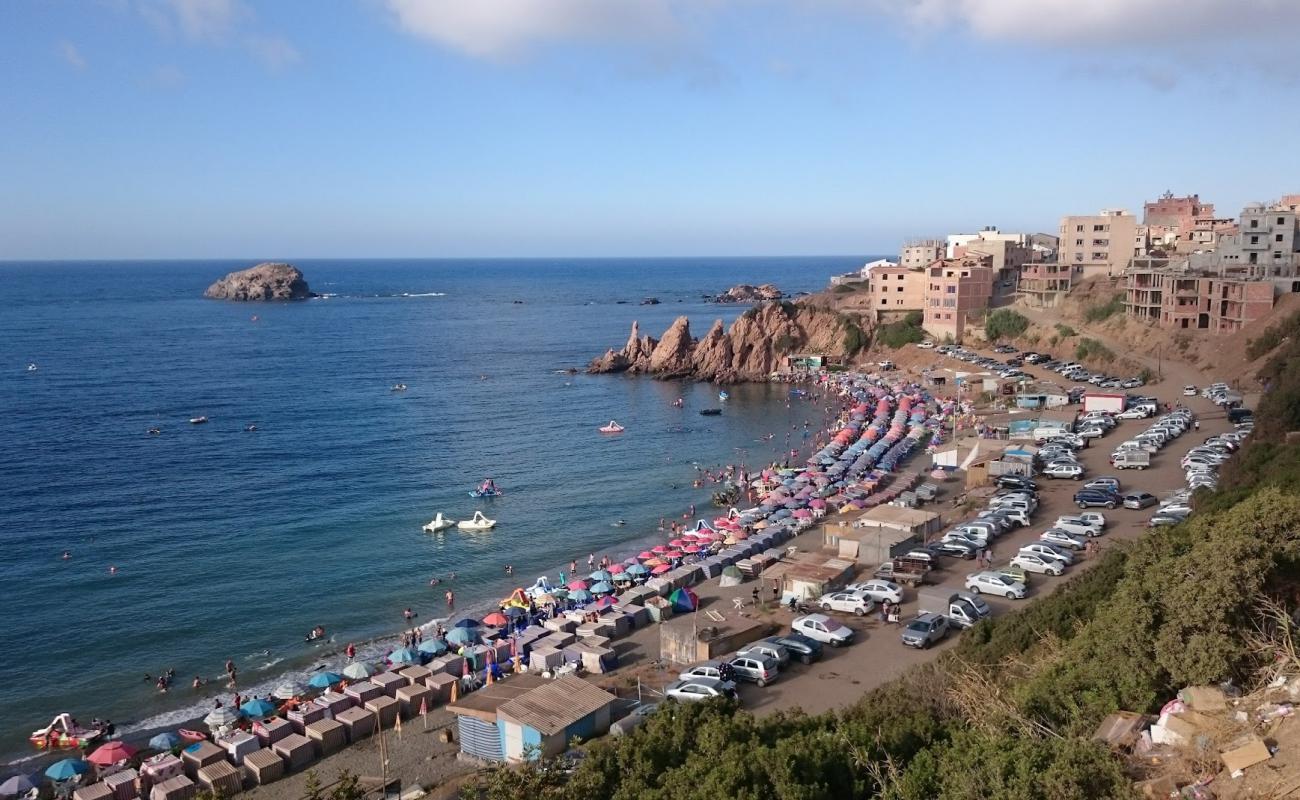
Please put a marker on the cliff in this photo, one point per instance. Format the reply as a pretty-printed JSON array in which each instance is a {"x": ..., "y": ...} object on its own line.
[
  {"x": 753, "y": 348},
  {"x": 266, "y": 281}
]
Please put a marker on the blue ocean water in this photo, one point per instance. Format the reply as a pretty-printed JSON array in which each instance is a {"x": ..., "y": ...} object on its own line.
[{"x": 233, "y": 544}]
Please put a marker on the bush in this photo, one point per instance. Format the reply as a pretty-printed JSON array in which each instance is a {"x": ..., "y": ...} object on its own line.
[
  {"x": 1273, "y": 336},
  {"x": 906, "y": 331},
  {"x": 784, "y": 343},
  {"x": 1065, "y": 330},
  {"x": 1106, "y": 310},
  {"x": 844, "y": 288},
  {"x": 1093, "y": 349},
  {"x": 1004, "y": 324}
]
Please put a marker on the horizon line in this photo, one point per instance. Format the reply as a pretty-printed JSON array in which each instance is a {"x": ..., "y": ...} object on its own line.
[{"x": 254, "y": 261}]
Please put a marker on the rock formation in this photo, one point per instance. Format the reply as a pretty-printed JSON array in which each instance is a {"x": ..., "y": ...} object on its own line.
[
  {"x": 745, "y": 293},
  {"x": 753, "y": 348},
  {"x": 266, "y": 281}
]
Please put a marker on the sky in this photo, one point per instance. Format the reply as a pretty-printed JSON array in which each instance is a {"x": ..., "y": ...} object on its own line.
[{"x": 510, "y": 128}]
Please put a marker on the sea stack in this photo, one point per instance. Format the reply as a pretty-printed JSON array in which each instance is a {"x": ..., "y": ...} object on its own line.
[{"x": 267, "y": 281}]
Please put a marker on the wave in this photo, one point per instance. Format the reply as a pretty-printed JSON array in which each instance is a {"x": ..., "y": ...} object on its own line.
[{"x": 424, "y": 294}]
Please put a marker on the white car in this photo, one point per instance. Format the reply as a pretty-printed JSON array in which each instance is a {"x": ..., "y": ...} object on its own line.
[
  {"x": 1091, "y": 433},
  {"x": 1063, "y": 470},
  {"x": 1190, "y": 391},
  {"x": 1046, "y": 551},
  {"x": 1176, "y": 508},
  {"x": 848, "y": 602},
  {"x": 1078, "y": 525},
  {"x": 822, "y": 628},
  {"x": 878, "y": 590},
  {"x": 1094, "y": 518},
  {"x": 1033, "y": 563},
  {"x": 926, "y": 345},
  {"x": 995, "y": 583},
  {"x": 1134, "y": 413},
  {"x": 699, "y": 689}
]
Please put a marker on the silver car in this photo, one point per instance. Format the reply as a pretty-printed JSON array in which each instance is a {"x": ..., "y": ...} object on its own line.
[{"x": 698, "y": 689}]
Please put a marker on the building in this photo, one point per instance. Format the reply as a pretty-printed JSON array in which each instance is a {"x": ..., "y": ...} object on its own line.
[
  {"x": 527, "y": 716},
  {"x": 1043, "y": 285},
  {"x": 805, "y": 576},
  {"x": 1176, "y": 213},
  {"x": 921, "y": 253},
  {"x": 1044, "y": 246},
  {"x": 1103, "y": 244},
  {"x": 895, "y": 290},
  {"x": 873, "y": 537},
  {"x": 987, "y": 234},
  {"x": 694, "y": 638},
  {"x": 1175, "y": 297},
  {"x": 1265, "y": 245},
  {"x": 862, "y": 274},
  {"x": 955, "y": 290}
]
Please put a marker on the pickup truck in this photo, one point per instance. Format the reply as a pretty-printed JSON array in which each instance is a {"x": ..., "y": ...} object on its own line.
[
  {"x": 1130, "y": 458},
  {"x": 907, "y": 571},
  {"x": 961, "y": 608}
]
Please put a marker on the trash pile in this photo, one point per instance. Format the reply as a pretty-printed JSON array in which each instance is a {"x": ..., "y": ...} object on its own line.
[{"x": 1204, "y": 740}]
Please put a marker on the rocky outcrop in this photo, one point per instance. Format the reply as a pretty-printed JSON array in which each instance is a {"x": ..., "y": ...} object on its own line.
[
  {"x": 745, "y": 293},
  {"x": 755, "y": 346},
  {"x": 266, "y": 281}
]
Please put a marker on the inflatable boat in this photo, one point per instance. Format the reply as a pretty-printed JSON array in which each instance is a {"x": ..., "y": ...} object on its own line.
[
  {"x": 612, "y": 427},
  {"x": 63, "y": 731},
  {"x": 439, "y": 523},
  {"x": 478, "y": 523}
]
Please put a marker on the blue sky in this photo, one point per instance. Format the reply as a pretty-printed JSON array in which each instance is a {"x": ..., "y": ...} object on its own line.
[{"x": 234, "y": 128}]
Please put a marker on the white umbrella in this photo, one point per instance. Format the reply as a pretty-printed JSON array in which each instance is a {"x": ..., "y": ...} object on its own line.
[
  {"x": 221, "y": 717},
  {"x": 289, "y": 690},
  {"x": 358, "y": 671}
]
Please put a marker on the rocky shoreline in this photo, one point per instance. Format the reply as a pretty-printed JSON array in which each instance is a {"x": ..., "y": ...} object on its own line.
[
  {"x": 748, "y": 293},
  {"x": 753, "y": 347}
]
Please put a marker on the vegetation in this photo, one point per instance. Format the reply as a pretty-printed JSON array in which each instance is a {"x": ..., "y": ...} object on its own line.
[
  {"x": 1273, "y": 336},
  {"x": 854, "y": 337},
  {"x": 846, "y": 288},
  {"x": 1008, "y": 713},
  {"x": 1106, "y": 310},
  {"x": 1092, "y": 349},
  {"x": 1004, "y": 324},
  {"x": 784, "y": 343},
  {"x": 906, "y": 331},
  {"x": 1065, "y": 331}
]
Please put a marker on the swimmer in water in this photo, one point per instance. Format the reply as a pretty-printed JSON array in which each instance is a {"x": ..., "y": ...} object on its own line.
[
  {"x": 433, "y": 581},
  {"x": 112, "y": 570},
  {"x": 67, "y": 554}
]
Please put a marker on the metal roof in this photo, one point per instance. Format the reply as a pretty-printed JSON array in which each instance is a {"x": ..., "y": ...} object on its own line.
[
  {"x": 484, "y": 702},
  {"x": 556, "y": 706}
]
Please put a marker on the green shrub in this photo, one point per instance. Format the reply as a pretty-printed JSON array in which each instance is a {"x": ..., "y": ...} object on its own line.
[
  {"x": 1273, "y": 336},
  {"x": 1004, "y": 324},
  {"x": 844, "y": 288},
  {"x": 1093, "y": 349},
  {"x": 1065, "y": 330},
  {"x": 1106, "y": 310},
  {"x": 903, "y": 332}
]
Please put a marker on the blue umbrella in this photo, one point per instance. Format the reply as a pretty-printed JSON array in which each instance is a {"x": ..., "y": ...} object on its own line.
[
  {"x": 638, "y": 569},
  {"x": 257, "y": 709},
  {"x": 580, "y": 596},
  {"x": 324, "y": 680},
  {"x": 458, "y": 636},
  {"x": 164, "y": 741},
  {"x": 599, "y": 575},
  {"x": 468, "y": 623},
  {"x": 434, "y": 647},
  {"x": 515, "y": 612},
  {"x": 601, "y": 588},
  {"x": 19, "y": 785},
  {"x": 404, "y": 655},
  {"x": 67, "y": 769}
]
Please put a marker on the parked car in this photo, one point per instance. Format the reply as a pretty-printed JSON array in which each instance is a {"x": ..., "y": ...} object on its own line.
[
  {"x": 848, "y": 602},
  {"x": 714, "y": 668},
  {"x": 1016, "y": 482},
  {"x": 698, "y": 689},
  {"x": 1104, "y": 482},
  {"x": 1057, "y": 536},
  {"x": 878, "y": 590},
  {"x": 964, "y": 550},
  {"x": 1190, "y": 391},
  {"x": 1017, "y": 574},
  {"x": 1134, "y": 413},
  {"x": 1079, "y": 526},
  {"x": 1160, "y": 520},
  {"x": 766, "y": 649},
  {"x": 1047, "y": 552},
  {"x": 1061, "y": 470},
  {"x": 926, "y": 345},
  {"x": 1096, "y": 498},
  {"x": 1034, "y": 563},
  {"x": 1139, "y": 500},
  {"x": 1181, "y": 508},
  {"x": 995, "y": 583},
  {"x": 823, "y": 629},
  {"x": 806, "y": 649},
  {"x": 925, "y": 630},
  {"x": 755, "y": 668}
]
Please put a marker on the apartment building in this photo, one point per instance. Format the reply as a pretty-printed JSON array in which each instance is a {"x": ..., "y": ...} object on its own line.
[
  {"x": 955, "y": 290},
  {"x": 921, "y": 253},
  {"x": 862, "y": 274},
  {"x": 1175, "y": 297},
  {"x": 1176, "y": 213},
  {"x": 1265, "y": 245},
  {"x": 987, "y": 234},
  {"x": 1102, "y": 244},
  {"x": 894, "y": 289},
  {"x": 1043, "y": 285}
]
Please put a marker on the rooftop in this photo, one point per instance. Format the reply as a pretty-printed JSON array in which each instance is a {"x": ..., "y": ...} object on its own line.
[
  {"x": 485, "y": 702},
  {"x": 897, "y": 514},
  {"x": 557, "y": 705}
]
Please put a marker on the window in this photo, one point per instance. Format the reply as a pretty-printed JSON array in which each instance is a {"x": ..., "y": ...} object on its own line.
[
  {"x": 1079, "y": 242},
  {"x": 884, "y": 301},
  {"x": 1078, "y": 229},
  {"x": 1281, "y": 220},
  {"x": 1097, "y": 228},
  {"x": 949, "y": 302},
  {"x": 1277, "y": 237},
  {"x": 947, "y": 316},
  {"x": 899, "y": 303},
  {"x": 1254, "y": 223},
  {"x": 1254, "y": 240},
  {"x": 1277, "y": 255},
  {"x": 899, "y": 289},
  {"x": 1100, "y": 242}
]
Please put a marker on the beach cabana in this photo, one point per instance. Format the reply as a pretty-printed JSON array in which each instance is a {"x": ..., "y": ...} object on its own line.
[{"x": 684, "y": 599}]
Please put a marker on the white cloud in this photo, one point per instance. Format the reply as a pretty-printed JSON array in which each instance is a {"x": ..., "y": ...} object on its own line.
[
  {"x": 274, "y": 52},
  {"x": 502, "y": 29},
  {"x": 69, "y": 53},
  {"x": 208, "y": 20}
]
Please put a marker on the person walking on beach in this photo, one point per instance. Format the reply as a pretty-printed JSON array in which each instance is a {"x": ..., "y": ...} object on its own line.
[
  {"x": 573, "y": 567},
  {"x": 351, "y": 651},
  {"x": 755, "y": 594},
  {"x": 591, "y": 561}
]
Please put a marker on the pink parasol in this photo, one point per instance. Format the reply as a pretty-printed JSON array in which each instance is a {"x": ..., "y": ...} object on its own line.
[
  {"x": 676, "y": 543},
  {"x": 645, "y": 554},
  {"x": 661, "y": 569},
  {"x": 615, "y": 569},
  {"x": 673, "y": 554},
  {"x": 691, "y": 548},
  {"x": 659, "y": 549},
  {"x": 577, "y": 584}
]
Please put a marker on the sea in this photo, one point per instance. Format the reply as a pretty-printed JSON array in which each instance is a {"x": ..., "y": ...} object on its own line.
[{"x": 202, "y": 543}]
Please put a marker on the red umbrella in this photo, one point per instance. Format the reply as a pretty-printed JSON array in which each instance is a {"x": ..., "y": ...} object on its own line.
[
  {"x": 676, "y": 543},
  {"x": 661, "y": 569},
  {"x": 496, "y": 619},
  {"x": 691, "y": 548},
  {"x": 646, "y": 554},
  {"x": 673, "y": 554},
  {"x": 615, "y": 569},
  {"x": 659, "y": 548},
  {"x": 577, "y": 584},
  {"x": 111, "y": 753}
]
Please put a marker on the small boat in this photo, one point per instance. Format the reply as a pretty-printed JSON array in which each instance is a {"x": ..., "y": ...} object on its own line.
[
  {"x": 198, "y": 420},
  {"x": 710, "y": 412},
  {"x": 723, "y": 397},
  {"x": 439, "y": 523},
  {"x": 486, "y": 489},
  {"x": 32, "y": 367},
  {"x": 612, "y": 427},
  {"x": 399, "y": 387},
  {"x": 63, "y": 731},
  {"x": 478, "y": 523}
]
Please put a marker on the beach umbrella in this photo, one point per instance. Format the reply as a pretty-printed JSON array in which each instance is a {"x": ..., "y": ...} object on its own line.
[
  {"x": 673, "y": 554},
  {"x": 580, "y": 596},
  {"x": 257, "y": 709},
  {"x": 459, "y": 636},
  {"x": 601, "y": 588},
  {"x": 358, "y": 671},
  {"x": 644, "y": 554},
  {"x": 433, "y": 647},
  {"x": 661, "y": 569},
  {"x": 679, "y": 542},
  {"x": 576, "y": 583},
  {"x": 638, "y": 569},
  {"x": 163, "y": 741},
  {"x": 468, "y": 623},
  {"x": 496, "y": 619},
  {"x": 659, "y": 548},
  {"x": 19, "y": 785},
  {"x": 221, "y": 717},
  {"x": 615, "y": 569},
  {"x": 514, "y": 612},
  {"x": 544, "y": 599},
  {"x": 684, "y": 599},
  {"x": 66, "y": 769},
  {"x": 606, "y": 601},
  {"x": 289, "y": 690},
  {"x": 691, "y": 548},
  {"x": 111, "y": 753},
  {"x": 599, "y": 575},
  {"x": 322, "y": 680},
  {"x": 404, "y": 655}
]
